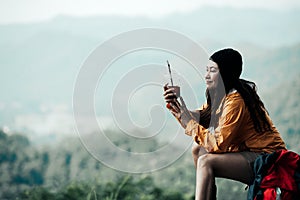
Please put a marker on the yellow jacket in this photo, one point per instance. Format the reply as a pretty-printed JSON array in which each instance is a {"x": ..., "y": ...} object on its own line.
[{"x": 235, "y": 131}]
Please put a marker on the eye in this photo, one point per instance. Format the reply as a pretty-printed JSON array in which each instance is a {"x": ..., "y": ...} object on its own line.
[{"x": 213, "y": 69}]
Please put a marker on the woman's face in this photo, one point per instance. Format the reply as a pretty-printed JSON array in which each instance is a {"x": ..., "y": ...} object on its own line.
[{"x": 212, "y": 75}]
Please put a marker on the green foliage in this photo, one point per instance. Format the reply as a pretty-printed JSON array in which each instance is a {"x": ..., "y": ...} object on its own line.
[
  {"x": 67, "y": 171},
  {"x": 37, "y": 193},
  {"x": 124, "y": 188}
]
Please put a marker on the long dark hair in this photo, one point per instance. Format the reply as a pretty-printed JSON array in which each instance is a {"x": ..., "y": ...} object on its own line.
[{"x": 230, "y": 65}]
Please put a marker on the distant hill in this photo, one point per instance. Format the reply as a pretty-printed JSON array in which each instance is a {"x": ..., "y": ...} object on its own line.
[
  {"x": 271, "y": 68},
  {"x": 39, "y": 62},
  {"x": 49, "y": 54},
  {"x": 223, "y": 24},
  {"x": 284, "y": 107}
]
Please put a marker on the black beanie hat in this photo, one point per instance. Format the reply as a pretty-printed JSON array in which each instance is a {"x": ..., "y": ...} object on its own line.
[{"x": 229, "y": 62}]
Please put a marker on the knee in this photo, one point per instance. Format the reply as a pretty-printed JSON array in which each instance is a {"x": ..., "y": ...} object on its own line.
[
  {"x": 204, "y": 161},
  {"x": 198, "y": 150},
  {"x": 195, "y": 150}
]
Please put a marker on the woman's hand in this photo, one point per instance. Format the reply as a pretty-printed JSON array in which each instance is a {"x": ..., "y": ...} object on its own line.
[
  {"x": 178, "y": 109},
  {"x": 170, "y": 96}
]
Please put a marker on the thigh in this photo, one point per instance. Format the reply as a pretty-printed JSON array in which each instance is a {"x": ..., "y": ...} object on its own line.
[{"x": 230, "y": 165}]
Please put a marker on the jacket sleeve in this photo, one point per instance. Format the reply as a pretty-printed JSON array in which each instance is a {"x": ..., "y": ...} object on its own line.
[{"x": 220, "y": 140}]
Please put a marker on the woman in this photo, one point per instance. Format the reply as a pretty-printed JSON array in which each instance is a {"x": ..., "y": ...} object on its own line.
[{"x": 230, "y": 130}]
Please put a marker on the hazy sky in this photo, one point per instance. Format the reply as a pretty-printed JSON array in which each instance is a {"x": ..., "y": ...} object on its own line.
[{"x": 12, "y": 11}]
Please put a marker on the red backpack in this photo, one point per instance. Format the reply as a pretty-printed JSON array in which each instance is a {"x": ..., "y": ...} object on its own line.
[{"x": 277, "y": 177}]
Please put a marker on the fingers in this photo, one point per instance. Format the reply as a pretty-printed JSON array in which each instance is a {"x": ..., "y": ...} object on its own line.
[
  {"x": 175, "y": 110},
  {"x": 175, "y": 107},
  {"x": 172, "y": 106},
  {"x": 169, "y": 90},
  {"x": 182, "y": 101},
  {"x": 172, "y": 103},
  {"x": 166, "y": 86},
  {"x": 177, "y": 104},
  {"x": 170, "y": 95}
]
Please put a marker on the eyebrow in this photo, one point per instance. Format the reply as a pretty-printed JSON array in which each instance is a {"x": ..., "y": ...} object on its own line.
[{"x": 212, "y": 67}]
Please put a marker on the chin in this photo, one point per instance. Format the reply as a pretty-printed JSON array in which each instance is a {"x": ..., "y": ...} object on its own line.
[{"x": 210, "y": 87}]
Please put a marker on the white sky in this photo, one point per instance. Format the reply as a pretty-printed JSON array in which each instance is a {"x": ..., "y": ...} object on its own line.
[{"x": 15, "y": 11}]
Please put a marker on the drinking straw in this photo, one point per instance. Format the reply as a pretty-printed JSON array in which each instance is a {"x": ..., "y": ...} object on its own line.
[{"x": 169, "y": 67}]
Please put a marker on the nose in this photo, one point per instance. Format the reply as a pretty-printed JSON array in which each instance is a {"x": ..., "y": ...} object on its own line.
[{"x": 207, "y": 75}]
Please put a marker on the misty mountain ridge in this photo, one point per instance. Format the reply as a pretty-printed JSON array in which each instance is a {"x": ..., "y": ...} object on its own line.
[
  {"x": 40, "y": 61},
  {"x": 223, "y": 24}
]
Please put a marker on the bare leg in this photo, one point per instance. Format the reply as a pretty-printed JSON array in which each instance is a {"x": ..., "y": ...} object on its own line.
[
  {"x": 228, "y": 165},
  {"x": 197, "y": 151}
]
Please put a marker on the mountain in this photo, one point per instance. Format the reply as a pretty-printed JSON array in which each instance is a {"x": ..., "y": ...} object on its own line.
[
  {"x": 223, "y": 24},
  {"x": 283, "y": 105},
  {"x": 49, "y": 54},
  {"x": 39, "y": 63}
]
